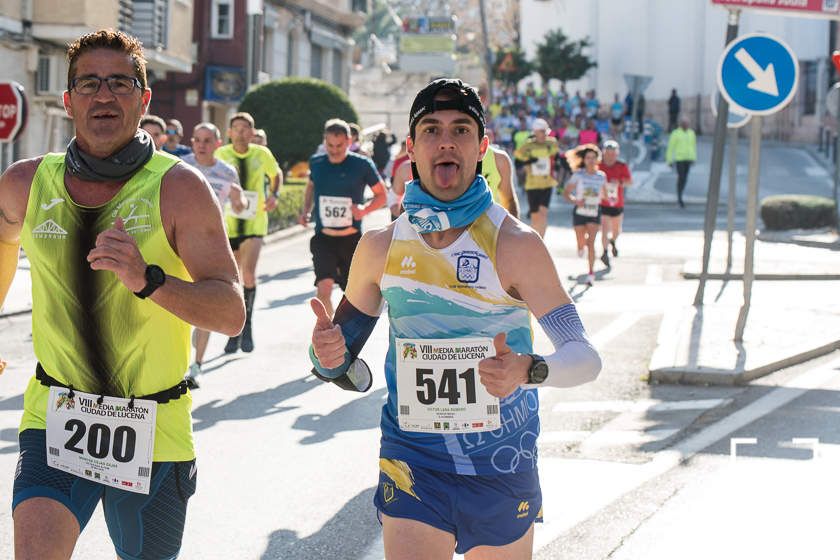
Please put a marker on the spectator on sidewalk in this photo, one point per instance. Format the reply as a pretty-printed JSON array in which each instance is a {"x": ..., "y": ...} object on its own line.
[
  {"x": 673, "y": 110},
  {"x": 682, "y": 152}
]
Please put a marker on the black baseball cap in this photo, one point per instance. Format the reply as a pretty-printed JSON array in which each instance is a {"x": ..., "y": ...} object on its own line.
[{"x": 466, "y": 101}]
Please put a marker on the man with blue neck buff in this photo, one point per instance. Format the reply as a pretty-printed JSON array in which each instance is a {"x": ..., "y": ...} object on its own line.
[{"x": 458, "y": 455}]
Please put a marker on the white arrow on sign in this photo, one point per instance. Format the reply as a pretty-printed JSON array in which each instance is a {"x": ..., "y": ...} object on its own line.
[{"x": 764, "y": 80}]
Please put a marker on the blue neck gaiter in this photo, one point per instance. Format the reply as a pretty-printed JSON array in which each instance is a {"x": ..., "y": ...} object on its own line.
[{"x": 428, "y": 214}]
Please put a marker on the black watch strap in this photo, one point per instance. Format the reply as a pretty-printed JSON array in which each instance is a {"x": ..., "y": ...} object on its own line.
[{"x": 155, "y": 278}]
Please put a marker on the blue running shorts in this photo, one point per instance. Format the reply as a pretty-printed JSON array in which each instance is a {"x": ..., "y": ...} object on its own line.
[
  {"x": 142, "y": 526},
  {"x": 479, "y": 510}
]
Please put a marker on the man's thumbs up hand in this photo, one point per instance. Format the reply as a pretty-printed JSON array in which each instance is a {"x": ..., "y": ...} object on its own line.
[
  {"x": 506, "y": 371},
  {"x": 327, "y": 340}
]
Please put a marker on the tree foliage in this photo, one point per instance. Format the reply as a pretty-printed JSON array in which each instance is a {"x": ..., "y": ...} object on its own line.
[
  {"x": 511, "y": 65},
  {"x": 293, "y": 112},
  {"x": 559, "y": 57}
]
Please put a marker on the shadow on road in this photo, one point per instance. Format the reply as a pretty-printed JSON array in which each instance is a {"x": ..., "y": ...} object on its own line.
[
  {"x": 284, "y": 275},
  {"x": 347, "y": 535},
  {"x": 358, "y": 414},
  {"x": 294, "y": 299},
  {"x": 10, "y": 435},
  {"x": 12, "y": 403},
  {"x": 252, "y": 405}
]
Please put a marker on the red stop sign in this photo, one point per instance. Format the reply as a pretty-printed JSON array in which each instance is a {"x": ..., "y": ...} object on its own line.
[{"x": 12, "y": 111}]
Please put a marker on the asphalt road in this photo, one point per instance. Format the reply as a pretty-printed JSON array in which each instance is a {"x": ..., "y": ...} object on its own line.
[{"x": 287, "y": 466}]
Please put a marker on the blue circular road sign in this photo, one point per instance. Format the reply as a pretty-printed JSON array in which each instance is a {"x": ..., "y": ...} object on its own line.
[
  {"x": 758, "y": 74},
  {"x": 735, "y": 119}
]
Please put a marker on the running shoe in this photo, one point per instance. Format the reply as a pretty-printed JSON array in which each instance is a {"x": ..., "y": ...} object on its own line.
[
  {"x": 605, "y": 258},
  {"x": 247, "y": 342},
  {"x": 590, "y": 279},
  {"x": 614, "y": 250},
  {"x": 232, "y": 345}
]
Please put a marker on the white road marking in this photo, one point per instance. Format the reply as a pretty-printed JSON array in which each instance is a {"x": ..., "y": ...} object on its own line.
[
  {"x": 642, "y": 405},
  {"x": 665, "y": 460},
  {"x": 614, "y": 328},
  {"x": 654, "y": 275}
]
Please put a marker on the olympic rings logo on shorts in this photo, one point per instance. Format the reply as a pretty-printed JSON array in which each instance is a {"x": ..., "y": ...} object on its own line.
[{"x": 512, "y": 456}]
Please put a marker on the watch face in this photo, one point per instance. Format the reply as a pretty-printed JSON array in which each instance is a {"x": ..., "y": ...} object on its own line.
[
  {"x": 155, "y": 275},
  {"x": 539, "y": 371}
]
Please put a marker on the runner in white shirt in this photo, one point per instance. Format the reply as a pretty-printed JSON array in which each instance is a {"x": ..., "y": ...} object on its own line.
[
  {"x": 224, "y": 180},
  {"x": 585, "y": 190}
]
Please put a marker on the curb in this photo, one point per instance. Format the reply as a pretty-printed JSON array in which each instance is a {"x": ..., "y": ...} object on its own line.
[
  {"x": 708, "y": 376},
  {"x": 284, "y": 234},
  {"x": 799, "y": 239},
  {"x": 766, "y": 276}
]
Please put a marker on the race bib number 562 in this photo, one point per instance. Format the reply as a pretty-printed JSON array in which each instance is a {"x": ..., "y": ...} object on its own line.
[
  {"x": 438, "y": 388},
  {"x": 108, "y": 442}
]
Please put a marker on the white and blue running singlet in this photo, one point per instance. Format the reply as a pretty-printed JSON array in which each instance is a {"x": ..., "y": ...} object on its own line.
[{"x": 455, "y": 293}]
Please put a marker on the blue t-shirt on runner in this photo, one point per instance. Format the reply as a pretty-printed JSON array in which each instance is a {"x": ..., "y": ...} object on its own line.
[{"x": 338, "y": 186}]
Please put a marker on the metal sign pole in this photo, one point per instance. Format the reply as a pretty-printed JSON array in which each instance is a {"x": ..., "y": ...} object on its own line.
[
  {"x": 715, "y": 171},
  {"x": 730, "y": 212},
  {"x": 752, "y": 203},
  {"x": 837, "y": 170}
]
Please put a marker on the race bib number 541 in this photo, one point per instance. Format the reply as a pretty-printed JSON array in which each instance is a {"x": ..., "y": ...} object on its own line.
[
  {"x": 438, "y": 388},
  {"x": 108, "y": 442}
]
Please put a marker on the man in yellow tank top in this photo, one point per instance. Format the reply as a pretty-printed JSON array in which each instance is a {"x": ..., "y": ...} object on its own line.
[{"x": 127, "y": 248}]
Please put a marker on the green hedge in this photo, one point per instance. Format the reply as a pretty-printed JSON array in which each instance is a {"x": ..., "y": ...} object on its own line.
[
  {"x": 792, "y": 211},
  {"x": 293, "y": 112},
  {"x": 289, "y": 206}
]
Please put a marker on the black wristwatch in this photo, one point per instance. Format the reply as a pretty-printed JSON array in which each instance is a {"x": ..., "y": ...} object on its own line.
[
  {"x": 538, "y": 372},
  {"x": 155, "y": 278}
]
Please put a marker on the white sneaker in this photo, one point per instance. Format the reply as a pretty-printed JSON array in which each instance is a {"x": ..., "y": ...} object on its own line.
[{"x": 590, "y": 279}]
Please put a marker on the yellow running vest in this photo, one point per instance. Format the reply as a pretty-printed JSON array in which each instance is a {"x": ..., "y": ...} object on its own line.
[
  {"x": 88, "y": 329},
  {"x": 253, "y": 167},
  {"x": 491, "y": 172}
]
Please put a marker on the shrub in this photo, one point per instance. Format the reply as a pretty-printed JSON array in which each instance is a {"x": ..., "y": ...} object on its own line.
[
  {"x": 794, "y": 211},
  {"x": 288, "y": 206},
  {"x": 293, "y": 112}
]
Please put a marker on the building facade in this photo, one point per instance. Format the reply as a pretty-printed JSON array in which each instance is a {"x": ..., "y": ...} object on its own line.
[
  {"x": 678, "y": 44},
  {"x": 33, "y": 39},
  {"x": 239, "y": 43}
]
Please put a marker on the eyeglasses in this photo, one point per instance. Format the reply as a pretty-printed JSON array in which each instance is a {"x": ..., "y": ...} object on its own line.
[{"x": 119, "y": 85}]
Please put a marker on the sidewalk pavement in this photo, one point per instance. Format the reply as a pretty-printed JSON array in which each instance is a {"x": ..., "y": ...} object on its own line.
[
  {"x": 789, "y": 322},
  {"x": 19, "y": 298}
]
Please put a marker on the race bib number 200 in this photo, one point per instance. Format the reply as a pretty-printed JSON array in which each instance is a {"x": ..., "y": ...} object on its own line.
[
  {"x": 438, "y": 388},
  {"x": 106, "y": 442}
]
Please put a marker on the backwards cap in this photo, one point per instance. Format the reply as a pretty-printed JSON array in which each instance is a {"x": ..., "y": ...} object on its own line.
[{"x": 466, "y": 101}]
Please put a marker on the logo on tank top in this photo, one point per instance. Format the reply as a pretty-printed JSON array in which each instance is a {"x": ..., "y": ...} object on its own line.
[
  {"x": 49, "y": 230},
  {"x": 136, "y": 215},
  {"x": 468, "y": 267},
  {"x": 408, "y": 266}
]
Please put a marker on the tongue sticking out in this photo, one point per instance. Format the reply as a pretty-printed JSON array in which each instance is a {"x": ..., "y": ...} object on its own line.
[{"x": 445, "y": 173}]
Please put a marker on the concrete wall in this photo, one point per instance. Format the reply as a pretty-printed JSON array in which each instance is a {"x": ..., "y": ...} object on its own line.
[
  {"x": 10, "y": 9},
  {"x": 180, "y": 38},
  {"x": 93, "y": 14}
]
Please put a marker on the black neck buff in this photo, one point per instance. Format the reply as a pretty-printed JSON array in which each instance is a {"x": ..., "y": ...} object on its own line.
[{"x": 119, "y": 166}]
